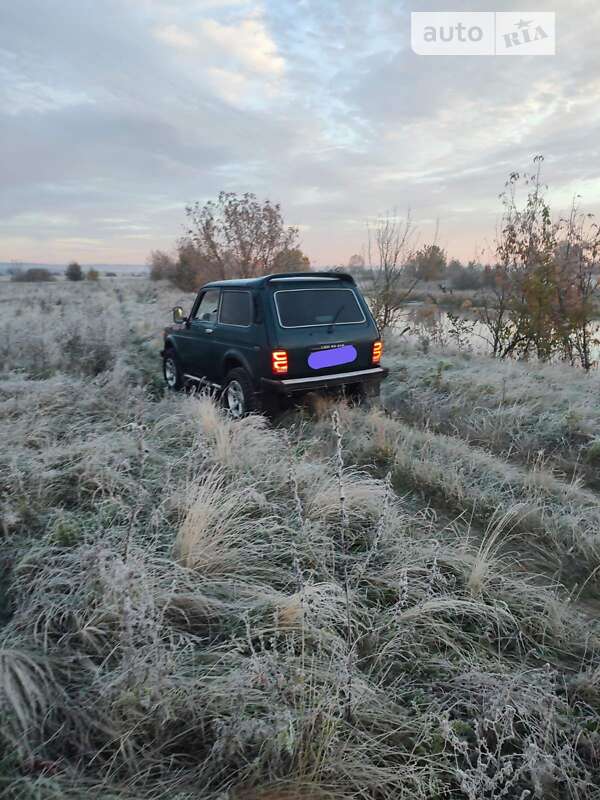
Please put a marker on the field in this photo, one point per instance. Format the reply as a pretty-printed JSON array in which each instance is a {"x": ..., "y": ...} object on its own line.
[{"x": 342, "y": 604}]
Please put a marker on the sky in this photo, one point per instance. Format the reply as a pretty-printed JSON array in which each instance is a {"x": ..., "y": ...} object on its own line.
[{"x": 116, "y": 114}]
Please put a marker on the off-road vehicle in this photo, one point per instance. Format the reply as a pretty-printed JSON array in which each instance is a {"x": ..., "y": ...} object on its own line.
[{"x": 258, "y": 340}]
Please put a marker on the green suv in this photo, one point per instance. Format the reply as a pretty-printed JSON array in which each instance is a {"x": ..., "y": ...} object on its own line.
[{"x": 258, "y": 340}]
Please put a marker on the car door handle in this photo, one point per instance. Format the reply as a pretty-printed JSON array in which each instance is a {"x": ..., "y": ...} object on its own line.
[{"x": 208, "y": 330}]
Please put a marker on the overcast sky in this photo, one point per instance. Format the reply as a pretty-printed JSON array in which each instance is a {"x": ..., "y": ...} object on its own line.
[{"x": 114, "y": 114}]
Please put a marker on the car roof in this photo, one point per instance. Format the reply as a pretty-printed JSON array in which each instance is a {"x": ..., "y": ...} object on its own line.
[{"x": 281, "y": 277}]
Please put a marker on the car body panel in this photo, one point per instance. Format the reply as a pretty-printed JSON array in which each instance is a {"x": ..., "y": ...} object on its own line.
[
  {"x": 301, "y": 342},
  {"x": 209, "y": 349}
]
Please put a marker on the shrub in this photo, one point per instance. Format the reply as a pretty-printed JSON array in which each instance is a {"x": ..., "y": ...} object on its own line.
[
  {"x": 162, "y": 266},
  {"x": 33, "y": 275},
  {"x": 469, "y": 278},
  {"x": 74, "y": 272},
  {"x": 92, "y": 275},
  {"x": 193, "y": 269}
]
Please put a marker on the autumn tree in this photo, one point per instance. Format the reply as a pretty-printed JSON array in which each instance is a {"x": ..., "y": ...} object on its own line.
[
  {"x": 192, "y": 269},
  {"x": 292, "y": 260},
  {"x": 240, "y": 236},
  {"x": 542, "y": 298},
  {"x": 518, "y": 312},
  {"x": 429, "y": 263}
]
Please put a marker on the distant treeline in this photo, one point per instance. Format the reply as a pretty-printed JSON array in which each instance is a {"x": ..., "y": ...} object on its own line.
[{"x": 431, "y": 263}]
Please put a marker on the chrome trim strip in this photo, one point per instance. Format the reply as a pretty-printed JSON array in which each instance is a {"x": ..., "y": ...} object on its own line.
[{"x": 292, "y": 381}]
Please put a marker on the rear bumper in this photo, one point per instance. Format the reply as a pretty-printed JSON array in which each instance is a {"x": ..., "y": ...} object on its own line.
[{"x": 292, "y": 385}]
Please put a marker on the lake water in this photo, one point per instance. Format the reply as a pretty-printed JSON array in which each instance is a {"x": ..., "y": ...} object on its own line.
[{"x": 431, "y": 324}]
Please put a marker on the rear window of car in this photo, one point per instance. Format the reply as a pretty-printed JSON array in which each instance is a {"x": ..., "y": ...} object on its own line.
[
  {"x": 303, "y": 308},
  {"x": 236, "y": 308}
]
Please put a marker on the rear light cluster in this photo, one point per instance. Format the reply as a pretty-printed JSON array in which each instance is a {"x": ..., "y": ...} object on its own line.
[
  {"x": 376, "y": 352},
  {"x": 279, "y": 362}
]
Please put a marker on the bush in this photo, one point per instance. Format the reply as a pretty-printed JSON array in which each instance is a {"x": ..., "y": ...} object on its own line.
[
  {"x": 469, "y": 278},
  {"x": 162, "y": 266},
  {"x": 33, "y": 275},
  {"x": 193, "y": 269},
  {"x": 92, "y": 275},
  {"x": 74, "y": 272}
]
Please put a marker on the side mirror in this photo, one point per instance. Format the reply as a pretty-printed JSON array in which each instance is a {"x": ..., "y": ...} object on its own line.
[{"x": 178, "y": 315}]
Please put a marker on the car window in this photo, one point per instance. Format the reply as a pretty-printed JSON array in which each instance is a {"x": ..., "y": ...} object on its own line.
[
  {"x": 236, "y": 308},
  {"x": 209, "y": 306},
  {"x": 300, "y": 308}
]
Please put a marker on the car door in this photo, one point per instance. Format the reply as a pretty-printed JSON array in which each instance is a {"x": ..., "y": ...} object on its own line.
[
  {"x": 238, "y": 336},
  {"x": 198, "y": 350}
]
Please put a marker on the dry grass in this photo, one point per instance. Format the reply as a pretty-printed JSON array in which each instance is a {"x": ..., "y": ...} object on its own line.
[
  {"x": 203, "y": 608},
  {"x": 528, "y": 413},
  {"x": 557, "y": 520}
]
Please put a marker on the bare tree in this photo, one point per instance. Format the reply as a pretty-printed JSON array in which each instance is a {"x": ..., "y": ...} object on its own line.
[
  {"x": 239, "y": 235},
  {"x": 577, "y": 259},
  {"x": 390, "y": 240}
]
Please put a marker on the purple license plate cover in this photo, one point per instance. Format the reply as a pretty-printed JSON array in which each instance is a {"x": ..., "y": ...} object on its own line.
[{"x": 332, "y": 357}]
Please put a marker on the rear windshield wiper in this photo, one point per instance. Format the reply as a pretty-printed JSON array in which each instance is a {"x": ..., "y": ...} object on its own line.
[{"x": 335, "y": 317}]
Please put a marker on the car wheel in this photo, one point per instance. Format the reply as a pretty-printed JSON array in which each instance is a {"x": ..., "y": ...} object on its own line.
[
  {"x": 171, "y": 371},
  {"x": 238, "y": 394}
]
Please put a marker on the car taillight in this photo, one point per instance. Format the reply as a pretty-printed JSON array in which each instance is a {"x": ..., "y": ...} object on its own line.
[
  {"x": 279, "y": 362},
  {"x": 377, "y": 351}
]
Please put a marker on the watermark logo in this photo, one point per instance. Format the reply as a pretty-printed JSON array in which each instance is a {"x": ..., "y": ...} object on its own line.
[
  {"x": 483, "y": 33},
  {"x": 524, "y": 33}
]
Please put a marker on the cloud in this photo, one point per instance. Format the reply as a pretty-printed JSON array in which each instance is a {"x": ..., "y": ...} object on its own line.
[
  {"x": 236, "y": 59},
  {"x": 127, "y": 110},
  {"x": 247, "y": 42},
  {"x": 231, "y": 86},
  {"x": 176, "y": 37}
]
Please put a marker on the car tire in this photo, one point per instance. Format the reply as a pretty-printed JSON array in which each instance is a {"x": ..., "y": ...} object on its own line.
[
  {"x": 238, "y": 395},
  {"x": 172, "y": 371}
]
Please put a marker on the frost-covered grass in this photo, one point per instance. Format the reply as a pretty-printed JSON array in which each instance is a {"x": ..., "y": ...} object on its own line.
[
  {"x": 203, "y": 608},
  {"x": 525, "y": 412},
  {"x": 81, "y": 328},
  {"x": 554, "y": 523}
]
